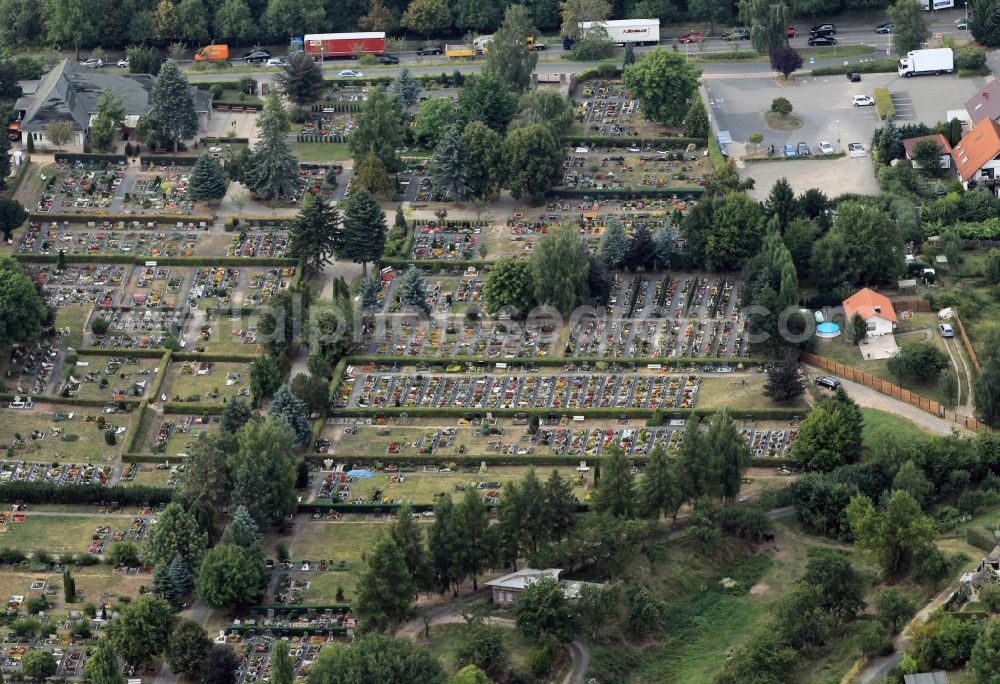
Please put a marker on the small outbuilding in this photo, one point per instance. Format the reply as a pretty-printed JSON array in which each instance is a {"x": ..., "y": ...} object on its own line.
[
  {"x": 506, "y": 589},
  {"x": 926, "y": 678}
]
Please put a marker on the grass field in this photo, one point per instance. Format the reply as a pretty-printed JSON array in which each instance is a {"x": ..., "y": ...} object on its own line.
[
  {"x": 89, "y": 444},
  {"x": 445, "y": 640},
  {"x": 875, "y": 420},
  {"x": 320, "y": 152},
  {"x": 737, "y": 392},
  {"x": 71, "y": 317},
  {"x": 58, "y": 534},
  {"x": 94, "y": 584},
  {"x": 119, "y": 383},
  {"x": 221, "y": 339},
  {"x": 347, "y": 541},
  {"x": 183, "y": 383}
]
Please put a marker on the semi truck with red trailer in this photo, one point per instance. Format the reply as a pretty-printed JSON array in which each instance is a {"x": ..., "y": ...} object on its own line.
[{"x": 324, "y": 45}]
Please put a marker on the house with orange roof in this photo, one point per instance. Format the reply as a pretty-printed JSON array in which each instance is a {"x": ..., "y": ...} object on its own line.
[
  {"x": 942, "y": 143},
  {"x": 875, "y": 309},
  {"x": 977, "y": 156}
]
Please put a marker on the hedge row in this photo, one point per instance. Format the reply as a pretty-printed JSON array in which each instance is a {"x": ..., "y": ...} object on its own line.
[
  {"x": 590, "y": 413},
  {"x": 135, "y": 353},
  {"x": 357, "y": 509},
  {"x": 248, "y": 262},
  {"x": 73, "y": 157},
  {"x": 161, "y": 375},
  {"x": 193, "y": 408},
  {"x": 758, "y": 160},
  {"x": 875, "y": 66},
  {"x": 434, "y": 265},
  {"x": 215, "y": 140},
  {"x": 136, "y": 433},
  {"x": 146, "y": 458},
  {"x": 606, "y": 141},
  {"x": 633, "y": 193},
  {"x": 199, "y": 356},
  {"x": 45, "y": 493},
  {"x": 715, "y": 153},
  {"x": 338, "y": 376},
  {"x": 338, "y": 107},
  {"x": 553, "y": 361},
  {"x": 162, "y": 159}
]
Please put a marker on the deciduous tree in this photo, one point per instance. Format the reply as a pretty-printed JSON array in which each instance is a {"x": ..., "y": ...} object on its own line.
[
  {"x": 664, "y": 82},
  {"x": 426, "y": 17},
  {"x": 894, "y": 536},
  {"x": 300, "y": 79},
  {"x": 909, "y": 26},
  {"x": 508, "y": 57},
  {"x": 384, "y": 595},
  {"x": 483, "y": 171},
  {"x": 376, "y": 658},
  {"x": 263, "y": 471},
  {"x": 142, "y": 629},
  {"x": 187, "y": 647},
  {"x": 228, "y": 577},
  {"x": 531, "y": 160},
  {"x": 560, "y": 266},
  {"x": 544, "y": 612},
  {"x": 175, "y": 532}
]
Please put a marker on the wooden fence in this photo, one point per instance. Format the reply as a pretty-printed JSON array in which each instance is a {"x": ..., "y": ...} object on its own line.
[
  {"x": 912, "y": 304},
  {"x": 895, "y": 391},
  {"x": 966, "y": 342}
]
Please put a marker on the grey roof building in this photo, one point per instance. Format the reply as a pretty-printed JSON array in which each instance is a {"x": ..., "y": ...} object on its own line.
[
  {"x": 70, "y": 92},
  {"x": 985, "y": 104}
]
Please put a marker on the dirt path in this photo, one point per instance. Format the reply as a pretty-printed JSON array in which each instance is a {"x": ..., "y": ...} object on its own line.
[
  {"x": 865, "y": 396},
  {"x": 965, "y": 371}
]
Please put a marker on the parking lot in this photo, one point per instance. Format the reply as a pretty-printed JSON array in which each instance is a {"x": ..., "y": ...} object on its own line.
[{"x": 824, "y": 105}]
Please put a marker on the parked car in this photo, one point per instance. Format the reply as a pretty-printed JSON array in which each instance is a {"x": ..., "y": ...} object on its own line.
[
  {"x": 863, "y": 101},
  {"x": 963, "y": 24},
  {"x": 350, "y": 73},
  {"x": 825, "y": 147},
  {"x": 823, "y": 30},
  {"x": 388, "y": 59},
  {"x": 690, "y": 37},
  {"x": 802, "y": 150},
  {"x": 946, "y": 330},
  {"x": 93, "y": 63},
  {"x": 884, "y": 28},
  {"x": 822, "y": 40},
  {"x": 856, "y": 149},
  {"x": 790, "y": 32},
  {"x": 737, "y": 34},
  {"x": 789, "y": 150},
  {"x": 433, "y": 50},
  {"x": 276, "y": 62},
  {"x": 854, "y": 77},
  {"x": 828, "y": 382},
  {"x": 123, "y": 63},
  {"x": 257, "y": 56}
]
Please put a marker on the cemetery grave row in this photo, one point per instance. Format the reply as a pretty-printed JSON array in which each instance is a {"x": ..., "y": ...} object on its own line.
[
  {"x": 109, "y": 378},
  {"x": 29, "y": 371},
  {"x": 175, "y": 435}
]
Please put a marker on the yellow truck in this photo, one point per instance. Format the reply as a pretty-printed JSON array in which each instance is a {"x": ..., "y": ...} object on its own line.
[
  {"x": 466, "y": 51},
  {"x": 483, "y": 44}
]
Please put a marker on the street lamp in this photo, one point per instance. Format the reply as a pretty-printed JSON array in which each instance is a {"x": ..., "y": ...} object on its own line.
[{"x": 838, "y": 131}]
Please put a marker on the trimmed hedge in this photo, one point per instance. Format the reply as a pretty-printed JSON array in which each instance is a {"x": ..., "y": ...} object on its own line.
[
  {"x": 199, "y": 356},
  {"x": 177, "y": 161},
  {"x": 136, "y": 433},
  {"x": 214, "y": 140},
  {"x": 632, "y": 141},
  {"x": 434, "y": 265},
  {"x": 73, "y": 157},
  {"x": 307, "y": 138},
  {"x": 338, "y": 377},
  {"x": 508, "y": 460},
  {"x": 875, "y": 66},
  {"x": 45, "y": 493},
  {"x": 731, "y": 55},
  {"x": 608, "y": 193},
  {"x": 193, "y": 408},
  {"x": 758, "y": 160},
  {"x": 980, "y": 538},
  {"x": 137, "y": 353},
  {"x": 338, "y": 107},
  {"x": 161, "y": 375},
  {"x": 71, "y": 401},
  {"x": 147, "y": 458}
]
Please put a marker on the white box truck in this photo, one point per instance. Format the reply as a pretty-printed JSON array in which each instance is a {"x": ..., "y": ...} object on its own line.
[
  {"x": 921, "y": 62},
  {"x": 621, "y": 31}
]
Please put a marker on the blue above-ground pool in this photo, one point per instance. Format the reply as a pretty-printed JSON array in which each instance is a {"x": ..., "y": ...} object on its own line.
[{"x": 828, "y": 329}]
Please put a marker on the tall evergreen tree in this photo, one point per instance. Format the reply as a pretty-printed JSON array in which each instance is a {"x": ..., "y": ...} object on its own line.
[
  {"x": 282, "y": 664},
  {"x": 730, "y": 451},
  {"x": 444, "y": 547},
  {"x": 180, "y": 575},
  {"x": 781, "y": 202},
  {"x": 472, "y": 523},
  {"x": 69, "y": 586},
  {"x": 615, "y": 493},
  {"x": 533, "y": 519},
  {"x": 614, "y": 248},
  {"x": 663, "y": 248},
  {"x": 315, "y": 234},
  {"x": 378, "y": 128},
  {"x": 508, "y": 532},
  {"x": 385, "y": 589},
  {"x": 164, "y": 587},
  {"x": 695, "y": 464},
  {"x": 295, "y": 414},
  {"x": 406, "y": 533},
  {"x": 207, "y": 181},
  {"x": 406, "y": 88},
  {"x": 370, "y": 287},
  {"x": 641, "y": 249},
  {"x": 102, "y": 666},
  {"x": 274, "y": 171},
  {"x": 696, "y": 120},
  {"x": 449, "y": 166},
  {"x": 660, "y": 492},
  {"x": 413, "y": 289},
  {"x": 364, "y": 231},
  {"x": 173, "y": 105},
  {"x": 629, "y": 57}
]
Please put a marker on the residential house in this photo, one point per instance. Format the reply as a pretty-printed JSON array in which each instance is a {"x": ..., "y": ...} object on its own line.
[
  {"x": 506, "y": 589},
  {"x": 875, "y": 309},
  {"x": 977, "y": 156},
  {"x": 70, "y": 92},
  {"x": 926, "y": 678},
  {"x": 942, "y": 143},
  {"x": 985, "y": 104}
]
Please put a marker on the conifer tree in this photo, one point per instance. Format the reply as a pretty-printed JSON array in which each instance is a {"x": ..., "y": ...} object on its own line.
[
  {"x": 173, "y": 105},
  {"x": 315, "y": 234},
  {"x": 413, "y": 289},
  {"x": 207, "y": 181},
  {"x": 449, "y": 166},
  {"x": 295, "y": 414},
  {"x": 363, "y": 238},
  {"x": 273, "y": 171}
]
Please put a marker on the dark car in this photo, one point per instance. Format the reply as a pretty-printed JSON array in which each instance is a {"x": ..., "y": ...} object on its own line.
[
  {"x": 388, "y": 59},
  {"x": 854, "y": 77},
  {"x": 823, "y": 30},
  {"x": 737, "y": 34},
  {"x": 827, "y": 382},
  {"x": 803, "y": 150},
  {"x": 257, "y": 56},
  {"x": 822, "y": 40},
  {"x": 884, "y": 28},
  {"x": 432, "y": 50}
]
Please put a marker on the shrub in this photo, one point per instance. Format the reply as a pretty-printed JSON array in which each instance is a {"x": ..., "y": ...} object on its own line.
[
  {"x": 883, "y": 104},
  {"x": 971, "y": 57},
  {"x": 217, "y": 90},
  {"x": 980, "y": 538},
  {"x": 100, "y": 326},
  {"x": 36, "y": 604},
  {"x": 781, "y": 105}
]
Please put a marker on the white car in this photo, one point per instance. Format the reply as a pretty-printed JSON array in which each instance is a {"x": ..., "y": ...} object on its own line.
[
  {"x": 275, "y": 62},
  {"x": 93, "y": 63},
  {"x": 856, "y": 150},
  {"x": 123, "y": 63},
  {"x": 863, "y": 101},
  {"x": 825, "y": 147},
  {"x": 350, "y": 73}
]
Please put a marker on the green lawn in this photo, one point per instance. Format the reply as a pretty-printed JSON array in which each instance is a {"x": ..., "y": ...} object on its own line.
[
  {"x": 333, "y": 541},
  {"x": 88, "y": 444},
  {"x": 320, "y": 152},
  {"x": 737, "y": 391},
  {"x": 876, "y": 420},
  {"x": 71, "y": 317},
  {"x": 58, "y": 534},
  {"x": 183, "y": 384},
  {"x": 445, "y": 639}
]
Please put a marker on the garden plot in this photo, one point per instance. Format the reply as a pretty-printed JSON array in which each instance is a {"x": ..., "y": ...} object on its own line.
[
  {"x": 46, "y": 435},
  {"x": 562, "y": 391},
  {"x": 176, "y": 434},
  {"x": 252, "y": 640},
  {"x": 98, "y": 284},
  {"x": 110, "y": 378},
  {"x": 665, "y": 316},
  {"x": 136, "y": 328},
  {"x": 679, "y": 169},
  {"x": 155, "y": 287},
  {"x": 29, "y": 371},
  {"x": 457, "y": 335},
  {"x": 432, "y": 243},
  {"x": 319, "y": 179},
  {"x": 267, "y": 242},
  {"x": 261, "y": 285},
  {"x": 159, "y": 187},
  {"x": 206, "y": 382},
  {"x": 213, "y": 287},
  {"x": 104, "y": 237},
  {"x": 607, "y": 109},
  {"x": 80, "y": 186}
]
